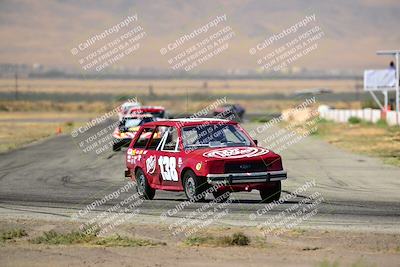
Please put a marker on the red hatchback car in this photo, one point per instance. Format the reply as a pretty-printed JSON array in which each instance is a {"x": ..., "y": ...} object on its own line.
[{"x": 194, "y": 155}]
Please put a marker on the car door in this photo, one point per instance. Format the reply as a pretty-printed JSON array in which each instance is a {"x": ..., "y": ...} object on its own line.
[
  {"x": 151, "y": 169},
  {"x": 169, "y": 160},
  {"x": 137, "y": 152}
]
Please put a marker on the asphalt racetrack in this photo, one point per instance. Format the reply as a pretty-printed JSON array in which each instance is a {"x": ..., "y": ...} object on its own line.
[{"x": 56, "y": 177}]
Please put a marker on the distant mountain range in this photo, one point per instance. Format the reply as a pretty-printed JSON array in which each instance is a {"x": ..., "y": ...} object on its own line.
[{"x": 45, "y": 31}]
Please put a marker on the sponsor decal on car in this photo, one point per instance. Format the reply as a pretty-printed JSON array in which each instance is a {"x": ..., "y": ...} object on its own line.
[
  {"x": 180, "y": 162},
  {"x": 198, "y": 166},
  {"x": 236, "y": 153},
  {"x": 151, "y": 164},
  {"x": 136, "y": 152}
]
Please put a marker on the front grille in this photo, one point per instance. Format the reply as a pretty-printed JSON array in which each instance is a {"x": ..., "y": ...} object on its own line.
[{"x": 243, "y": 167}]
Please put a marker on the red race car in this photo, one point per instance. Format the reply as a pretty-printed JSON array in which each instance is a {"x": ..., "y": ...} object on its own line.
[
  {"x": 155, "y": 111},
  {"x": 194, "y": 155},
  {"x": 126, "y": 129}
]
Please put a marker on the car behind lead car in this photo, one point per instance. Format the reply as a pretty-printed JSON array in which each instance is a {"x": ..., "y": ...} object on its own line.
[{"x": 191, "y": 155}]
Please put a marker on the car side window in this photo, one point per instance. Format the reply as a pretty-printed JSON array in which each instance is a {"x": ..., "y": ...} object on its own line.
[
  {"x": 156, "y": 138},
  {"x": 190, "y": 136},
  {"x": 170, "y": 140},
  {"x": 144, "y": 137}
]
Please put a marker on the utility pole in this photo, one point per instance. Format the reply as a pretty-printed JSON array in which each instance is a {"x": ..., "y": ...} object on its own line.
[
  {"x": 396, "y": 54},
  {"x": 16, "y": 85},
  {"x": 187, "y": 100}
]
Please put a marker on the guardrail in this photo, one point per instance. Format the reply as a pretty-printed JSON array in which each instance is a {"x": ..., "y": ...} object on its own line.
[{"x": 368, "y": 114}]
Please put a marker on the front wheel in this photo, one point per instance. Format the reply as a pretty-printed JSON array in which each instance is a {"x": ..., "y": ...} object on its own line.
[
  {"x": 193, "y": 187},
  {"x": 143, "y": 187},
  {"x": 221, "y": 196},
  {"x": 116, "y": 146},
  {"x": 272, "y": 193}
]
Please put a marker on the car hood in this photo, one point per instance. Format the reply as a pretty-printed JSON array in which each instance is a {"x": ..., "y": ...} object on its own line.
[{"x": 232, "y": 153}]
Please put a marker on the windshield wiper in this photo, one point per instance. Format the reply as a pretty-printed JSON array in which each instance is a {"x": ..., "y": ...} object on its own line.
[
  {"x": 206, "y": 145},
  {"x": 196, "y": 145},
  {"x": 235, "y": 143}
]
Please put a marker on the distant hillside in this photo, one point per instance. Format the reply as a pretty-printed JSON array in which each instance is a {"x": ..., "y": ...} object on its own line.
[{"x": 45, "y": 31}]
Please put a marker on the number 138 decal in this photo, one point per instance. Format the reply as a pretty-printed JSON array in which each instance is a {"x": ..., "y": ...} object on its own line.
[{"x": 168, "y": 168}]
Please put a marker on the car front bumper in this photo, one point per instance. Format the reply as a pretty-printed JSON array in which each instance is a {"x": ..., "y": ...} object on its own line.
[{"x": 246, "y": 178}]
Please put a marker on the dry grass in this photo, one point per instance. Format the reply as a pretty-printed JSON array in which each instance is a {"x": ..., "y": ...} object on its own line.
[
  {"x": 91, "y": 107},
  {"x": 365, "y": 138},
  {"x": 39, "y": 115},
  {"x": 200, "y": 93},
  {"x": 236, "y": 239},
  {"x": 83, "y": 238},
  {"x": 174, "y": 106},
  {"x": 172, "y": 86},
  {"x": 12, "y": 234},
  {"x": 14, "y": 135}
]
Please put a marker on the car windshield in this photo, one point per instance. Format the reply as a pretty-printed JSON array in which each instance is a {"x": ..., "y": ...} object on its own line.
[
  {"x": 133, "y": 122},
  {"x": 213, "y": 135}
]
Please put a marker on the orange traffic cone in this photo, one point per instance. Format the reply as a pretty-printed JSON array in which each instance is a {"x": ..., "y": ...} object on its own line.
[{"x": 58, "y": 130}]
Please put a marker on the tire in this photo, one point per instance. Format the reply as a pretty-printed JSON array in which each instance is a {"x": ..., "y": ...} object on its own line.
[
  {"x": 221, "y": 196},
  {"x": 116, "y": 147},
  {"x": 142, "y": 186},
  {"x": 272, "y": 193},
  {"x": 193, "y": 186}
]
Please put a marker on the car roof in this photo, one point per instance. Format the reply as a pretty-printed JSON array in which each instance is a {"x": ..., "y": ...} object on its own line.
[
  {"x": 189, "y": 122},
  {"x": 147, "y": 109},
  {"x": 131, "y": 104},
  {"x": 137, "y": 116}
]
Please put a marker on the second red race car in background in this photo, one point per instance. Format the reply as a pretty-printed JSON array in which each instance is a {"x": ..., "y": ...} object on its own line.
[
  {"x": 126, "y": 107},
  {"x": 127, "y": 128},
  {"x": 155, "y": 111},
  {"x": 234, "y": 112},
  {"x": 193, "y": 155},
  {"x": 133, "y": 117}
]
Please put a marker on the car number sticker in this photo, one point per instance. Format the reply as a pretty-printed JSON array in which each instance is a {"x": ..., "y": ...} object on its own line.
[{"x": 168, "y": 168}]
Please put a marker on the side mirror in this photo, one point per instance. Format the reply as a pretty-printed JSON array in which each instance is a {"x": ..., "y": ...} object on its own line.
[{"x": 255, "y": 141}]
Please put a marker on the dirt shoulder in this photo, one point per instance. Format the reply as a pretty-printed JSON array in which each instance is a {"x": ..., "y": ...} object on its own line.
[
  {"x": 294, "y": 248},
  {"x": 372, "y": 139},
  {"x": 378, "y": 140}
]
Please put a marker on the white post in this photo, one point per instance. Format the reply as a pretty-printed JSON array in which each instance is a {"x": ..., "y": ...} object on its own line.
[
  {"x": 397, "y": 88},
  {"x": 395, "y": 53},
  {"x": 385, "y": 93}
]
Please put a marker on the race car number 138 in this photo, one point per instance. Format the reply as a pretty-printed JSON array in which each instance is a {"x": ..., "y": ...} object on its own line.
[{"x": 168, "y": 168}]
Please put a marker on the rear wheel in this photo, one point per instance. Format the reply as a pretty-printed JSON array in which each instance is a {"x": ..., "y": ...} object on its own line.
[
  {"x": 272, "y": 193},
  {"x": 142, "y": 186},
  {"x": 193, "y": 186}
]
